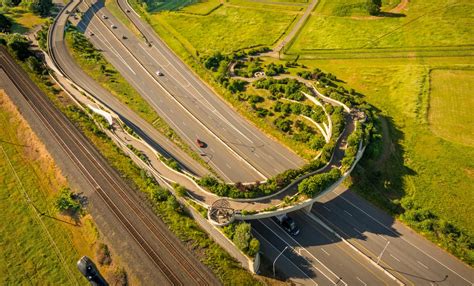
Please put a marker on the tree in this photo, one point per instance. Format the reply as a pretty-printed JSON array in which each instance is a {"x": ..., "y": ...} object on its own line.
[
  {"x": 19, "y": 45},
  {"x": 41, "y": 7},
  {"x": 65, "y": 202},
  {"x": 242, "y": 236},
  {"x": 5, "y": 24},
  {"x": 373, "y": 7}
]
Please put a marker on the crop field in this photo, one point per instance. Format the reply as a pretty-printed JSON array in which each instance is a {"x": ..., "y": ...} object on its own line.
[
  {"x": 435, "y": 24},
  {"x": 36, "y": 250},
  {"x": 451, "y": 105},
  {"x": 230, "y": 27}
]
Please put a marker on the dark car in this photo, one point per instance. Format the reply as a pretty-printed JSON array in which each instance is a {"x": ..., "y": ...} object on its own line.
[
  {"x": 288, "y": 224},
  {"x": 90, "y": 271},
  {"x": 200, "y": 143}
]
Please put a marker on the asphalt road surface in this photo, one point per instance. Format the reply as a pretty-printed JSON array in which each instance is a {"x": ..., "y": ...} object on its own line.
[
  {"x": 408, "y": 256},
  {"x": 162, "y": 255},
  {"x": 317, "y": 256},
  {"x": 236, "y": 149}
]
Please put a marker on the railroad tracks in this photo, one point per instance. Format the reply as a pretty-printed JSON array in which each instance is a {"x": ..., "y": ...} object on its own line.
[{"x": 151, "y": 235}]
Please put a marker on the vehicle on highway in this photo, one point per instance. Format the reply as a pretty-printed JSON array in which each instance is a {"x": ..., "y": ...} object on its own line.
[
  {"x": 159, "y": 73},
  {"x": 113, "y": 26},
  {"x": 91, "y": 33},
  {"x": 124, "y": 37},
  {"x": 104, "y": 17},
  {"x": 87, "y": 267},
  {"x": 288, "y": 224},
  {"x": 200, "y": 143},
  {"x": 128, "y": 10}
]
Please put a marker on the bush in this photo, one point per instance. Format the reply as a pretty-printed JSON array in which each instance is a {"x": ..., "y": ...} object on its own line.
[
  {"x": 66, "y": 203},
  {"x": 314, "y": 185},
  {"x": 19, "y": 46},
  {"x": 5, "y": 24},
  {"x": 254, "y": 247},
  {"x": 118, "y": 277},
  {"x": 103, "y": 254},
  {"x": 159, "y": 194}
]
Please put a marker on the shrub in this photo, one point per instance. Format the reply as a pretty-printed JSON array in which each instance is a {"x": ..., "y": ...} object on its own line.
[
  {"x": 314, "y": 185},
  {"x": 65, "y": 202},
  {"x": 103, "y": 254},
  {"x": 254, "y": 247},
  {"x": 159, "y": 194},
  {"x": 118, "y": 277}
]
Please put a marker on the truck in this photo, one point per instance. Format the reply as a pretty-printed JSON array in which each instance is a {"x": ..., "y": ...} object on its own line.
[{"x": 288, "y": 224}]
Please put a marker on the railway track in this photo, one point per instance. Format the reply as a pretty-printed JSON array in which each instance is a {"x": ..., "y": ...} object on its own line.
[{"x": 115, "y": 194}]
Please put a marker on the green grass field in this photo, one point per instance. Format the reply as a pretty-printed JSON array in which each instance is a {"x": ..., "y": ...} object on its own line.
[
  {"x": 451, "y": 105},
  {"x": 434, "y": 23},
  {"x": 36, "y": 250},
  {"x": 421, "y": 165},
  {"x": 226, "y": 29},
  {"x": 23, "y": 20}
]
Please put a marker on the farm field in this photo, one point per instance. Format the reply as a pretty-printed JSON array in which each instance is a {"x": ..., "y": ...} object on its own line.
[
  {"x": 35, "y": 249},
  {"x": 422, "y": 24},
  {"x": 451, "y": 104},
  {"x": 229, "y": 28}
]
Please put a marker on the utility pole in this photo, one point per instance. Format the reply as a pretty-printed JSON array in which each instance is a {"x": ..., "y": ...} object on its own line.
[
  {"x": 380, "y": 256},
  {"x": 277, "y": 258}
]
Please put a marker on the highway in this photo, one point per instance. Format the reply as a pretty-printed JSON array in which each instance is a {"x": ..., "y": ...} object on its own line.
[
  {"x": 162, "y": 255},
  {"x": 236, "y": 149},
  {"x": 408, "y": 256},
  {"x": 68, "y": 66},
  {"x": 317, "y": 255}
]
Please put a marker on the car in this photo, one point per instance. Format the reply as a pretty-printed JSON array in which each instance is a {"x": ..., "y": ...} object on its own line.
[
  {"x": 159, "y": 73},
  {"x": 124, "y": 37},
  {"x": 288, "y": 224},
  {"x": 87, "y": 268},
  {"x": 91, "y": 33},
  {"x": 104, "y": 17},
  {"x": 200, "y": 143},
  {"x": 128, "y": 10},
  {"x": 113, "y": 26}
]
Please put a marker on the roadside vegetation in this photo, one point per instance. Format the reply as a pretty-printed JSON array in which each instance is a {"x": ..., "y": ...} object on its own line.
[
  {"x": 164, "y": 204},
  {"x": 20, "y": 16}
]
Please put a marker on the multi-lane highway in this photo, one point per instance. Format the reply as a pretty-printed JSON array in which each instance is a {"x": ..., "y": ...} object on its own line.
[
  {"x": 236, "y": 149},
  {"x": 408, "y": 256},
  {"x": 59, "y": 53},
  {"x": 147, "y": 240}
]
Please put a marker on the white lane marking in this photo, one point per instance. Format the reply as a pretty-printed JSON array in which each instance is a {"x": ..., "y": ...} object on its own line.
[
  {"x": 228, "y": 166},
  {"x": 395, "y": 258},
  {"x": 358, "y": 231},
  {"x": 363, "y": 283},
  {"x": 326, "y": 208},
  {"x": 256, "y": 155},
  {"x": 310, "y": 254},
  {"x": 382, "y": 237},
  {"x": 323, "y": 250},
  {"x": 422, "y": 264},
  {"x": 184, "y": 123},
  {"x": 347, "y": 212},
  {"x": 401, "y": 237},
  {"x": 269, "y": 243}
]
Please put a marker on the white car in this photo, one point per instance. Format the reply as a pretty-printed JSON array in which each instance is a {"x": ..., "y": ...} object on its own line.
[
  {"x": 104, "y": 17},
  {"x": 113, "y": 26},
  {"x": 159, "y": 73}
]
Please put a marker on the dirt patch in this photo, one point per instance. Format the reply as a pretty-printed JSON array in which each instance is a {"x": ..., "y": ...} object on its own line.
[{"x": 400, "y": 7}]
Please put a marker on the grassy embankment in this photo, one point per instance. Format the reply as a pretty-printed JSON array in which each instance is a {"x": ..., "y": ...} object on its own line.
[
  {"x": 181, "y": 224},
  {"x": 36, "y": 249},
  {"x": 97, "y": 67}
]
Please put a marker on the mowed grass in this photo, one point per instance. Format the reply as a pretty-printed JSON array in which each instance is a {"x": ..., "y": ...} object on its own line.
[
  {"x": 420, "y": 165},
  {"x": 425, "y": 23},
  {"x": 226, "y": 29},
  {"x": 451, "y": 107},
  {"x": 202, "y": 7},
  {"x": 35, "y": 250}
]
